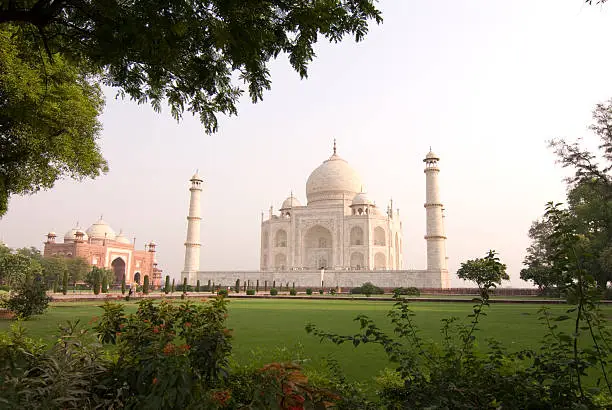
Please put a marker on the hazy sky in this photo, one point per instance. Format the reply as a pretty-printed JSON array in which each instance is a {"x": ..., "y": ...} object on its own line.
[{"x": 485, "y": 83}]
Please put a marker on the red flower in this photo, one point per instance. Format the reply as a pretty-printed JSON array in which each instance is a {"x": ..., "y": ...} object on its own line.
[
  {"x": 155, "y": 380},
  {"x": 156, "y": 329},
  {"x": 187, "y": 324}
]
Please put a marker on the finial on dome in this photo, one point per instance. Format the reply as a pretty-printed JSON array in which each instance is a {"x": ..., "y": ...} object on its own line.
[{"x": 334, "y": 146}]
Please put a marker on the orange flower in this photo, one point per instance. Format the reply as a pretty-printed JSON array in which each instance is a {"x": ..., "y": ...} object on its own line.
[
  {"x": 155, "y": 380},
  {"x": 221, "y": 397},
  {"x": 168, "y": 349}
]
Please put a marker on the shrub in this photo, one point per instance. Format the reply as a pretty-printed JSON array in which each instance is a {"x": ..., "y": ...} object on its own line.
[
  {"x": 368, "y": 289},
  {"x": 250, "y": 292},
  {"x": 273, "y": 292},
  {"x": 410, "y": 291},
  {"x": 145, "y": 285},
  {"x": 184, "y": 284},
  {"x": 332, "y": 291},
  {"x": 198, "y": 286},
  {"x": 222, "y": 292},
  {"x": 167, "y": 285},
  {"x": 237, "y": 287},
  {"x": 257, "y": 286},
  {"x": 104, "y": 284},
  {"x": 123, "y": 286},
  {"x": 27, "y": 298},
  {"x": 309, "y": 291},
  {"x": 293, "y": 292},
  {"x": 172, "y": 287},
  {"x": 55, "y": 289},
  {"x": 321, "y": 291}
]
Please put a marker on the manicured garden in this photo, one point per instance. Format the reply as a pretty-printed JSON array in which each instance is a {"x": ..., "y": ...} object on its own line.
[{"x": 267, "y": 330}]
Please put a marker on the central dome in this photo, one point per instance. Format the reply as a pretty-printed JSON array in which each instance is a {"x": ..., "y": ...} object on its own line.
[
  {"x": 101, "y": 230},
  {"x": 334, "y": 179}
]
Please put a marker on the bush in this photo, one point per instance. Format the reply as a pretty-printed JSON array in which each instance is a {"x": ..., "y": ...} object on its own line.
[
  {"x": 237, "y": 287},
  {"x": 223, "y": 292},
  {"x": 123, "y": 286},
  {"x": 292, "y": 292},
  {"x": 167, "y": 285},
  {"x": 309, "y": 291},
  {"x": 367, "y": 289},
  {"x": 410, "y": 291},
  {"x": 27, "y": 298},
  {"x": 198, "y": 286},
  {"x": 145, "y": 285},
  {"x": 273, "y": 292},
  {"x": 332, "y": 291},
  {"x": 250, "y": 292},
  {"x": 321, "y": 291}
]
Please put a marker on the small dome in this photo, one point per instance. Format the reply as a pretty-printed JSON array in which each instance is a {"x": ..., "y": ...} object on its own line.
[
  {"x": 431, "y": 156},
  {"x": 70, "y": 236},
  {"x": 290, "y": 202},
  {"x": 361, "y": 199},
  {"x": 196, "y": 177},
  {"x": 121, "y": 238},
  {"x": 51, "y": 234},
  {"x": 101, "y": 230}
]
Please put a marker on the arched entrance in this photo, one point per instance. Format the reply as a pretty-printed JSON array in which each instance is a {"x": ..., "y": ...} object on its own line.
[
  {"x": 137, "y": 277},
  {"x": 318, "y": 249},
  {"x": 118, "y": 266}
]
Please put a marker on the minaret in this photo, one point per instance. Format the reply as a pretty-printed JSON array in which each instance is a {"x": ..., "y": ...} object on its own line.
[
  {"x": 192, "y": 244},
  {"x": 436, "y": 239}
]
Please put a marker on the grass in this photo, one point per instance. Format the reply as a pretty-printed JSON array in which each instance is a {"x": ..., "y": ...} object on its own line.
[{"x": 272, "y": 330}]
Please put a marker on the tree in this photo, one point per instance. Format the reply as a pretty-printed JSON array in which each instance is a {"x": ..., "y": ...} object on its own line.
[
  {"x": 15, "y": 268},
  {"x": 589, "y": 194},
  {"x": 538, "y": 259},
  {"x": 145, "y": 285},
  {"x": 237, "y": 287},
  {"x": 198, "y": 285},
  {"x": 65, "y": 283},
  {"x": 172, "y": 288},
  {"x": 48, "y": 117},
  {"x": 123, "y": 286},
  {"x": 188, "y": 55},
  {"x": 28, "y": 298},
  {"x": 184, "y": 284},
  {"x": 487, "y": 272},
  {"x": 97, "y": 273},
  {"x": 53, "y": 268},
  {"x": 104, "y": 284},
  {"x": 167, "y": 285},
  {"x": 77, "y": 269}
]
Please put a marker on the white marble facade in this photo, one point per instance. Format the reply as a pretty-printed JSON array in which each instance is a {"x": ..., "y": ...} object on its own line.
[{"x": 339, "y": 228}]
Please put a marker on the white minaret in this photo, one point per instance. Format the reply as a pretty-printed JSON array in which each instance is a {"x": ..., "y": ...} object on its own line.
[
  {"x": 436, "y": 239},
  {"x": 192, "y": 244}
]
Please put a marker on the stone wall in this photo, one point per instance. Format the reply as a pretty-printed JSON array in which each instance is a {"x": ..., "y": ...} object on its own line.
[{"x": 330, "y": 278}]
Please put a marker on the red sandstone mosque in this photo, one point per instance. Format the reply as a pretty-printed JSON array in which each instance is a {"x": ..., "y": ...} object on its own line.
[{"x": 100, "y": 246}]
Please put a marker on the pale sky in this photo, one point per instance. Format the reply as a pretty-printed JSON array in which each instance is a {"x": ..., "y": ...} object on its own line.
[{"x": 485, "y": 83}]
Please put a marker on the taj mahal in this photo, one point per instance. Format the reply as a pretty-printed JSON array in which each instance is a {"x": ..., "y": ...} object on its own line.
[{"x": 340, "y": 238}]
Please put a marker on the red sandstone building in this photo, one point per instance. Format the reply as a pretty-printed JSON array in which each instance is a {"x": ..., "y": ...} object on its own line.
[{"x": 100, "y": 246}]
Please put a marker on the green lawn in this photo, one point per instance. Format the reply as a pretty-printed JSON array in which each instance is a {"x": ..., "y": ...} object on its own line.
[{"x": 268, "y": 330}]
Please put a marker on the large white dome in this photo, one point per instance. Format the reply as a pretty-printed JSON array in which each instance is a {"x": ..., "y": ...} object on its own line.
[
  {"x": 334, "y": 179},
  {"x": 101, "y": 230}
]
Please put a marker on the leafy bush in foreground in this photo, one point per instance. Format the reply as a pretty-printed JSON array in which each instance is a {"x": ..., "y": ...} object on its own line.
[
  {"x": 410, "y": 291},
  {"x": 273, "y": 292}
]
